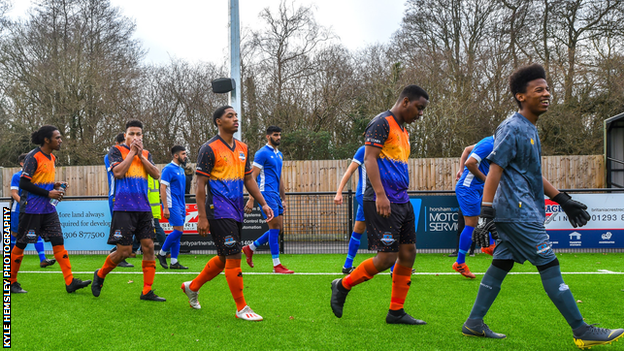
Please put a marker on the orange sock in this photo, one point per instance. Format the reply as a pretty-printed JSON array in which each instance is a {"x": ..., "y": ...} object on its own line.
[
  {"x": 211, "y": 270},
  {"x": 149, "y": 271},
  {"x": 365, "y": 271},
  {"x": 108, "y": 266},
  {"x": 400, "y": 286},
  {"x": 63, "y": 259},
  {"x": 16, "y": 260},
  {"x": 234, "y": 277}
]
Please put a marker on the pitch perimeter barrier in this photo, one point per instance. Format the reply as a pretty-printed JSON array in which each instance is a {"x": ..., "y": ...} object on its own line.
[{"x": 314, "y": 224}]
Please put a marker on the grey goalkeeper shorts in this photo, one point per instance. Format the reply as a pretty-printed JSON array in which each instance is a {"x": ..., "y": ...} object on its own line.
[{"x": 523, "y": 242}]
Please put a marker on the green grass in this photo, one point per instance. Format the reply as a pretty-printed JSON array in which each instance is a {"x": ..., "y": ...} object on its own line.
[{"x": 296, "y": 308}]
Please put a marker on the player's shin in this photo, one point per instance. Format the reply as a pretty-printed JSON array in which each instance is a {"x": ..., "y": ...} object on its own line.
[
  {"x": 488, "y": 290},
  {"x": 561, "y": 295}
]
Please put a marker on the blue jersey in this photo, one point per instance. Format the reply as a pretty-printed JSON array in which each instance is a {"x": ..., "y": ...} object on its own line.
[
  {"x": 111, "y": 181},
  {"x": 173, "y": 177},
  {"x": 15, "y": 186},
  {"x": 270, "y": 161},
  {"x": 479, "y": 153},
  {"x": 517, "y": 149},
  {"x": 359, "y": 159}
]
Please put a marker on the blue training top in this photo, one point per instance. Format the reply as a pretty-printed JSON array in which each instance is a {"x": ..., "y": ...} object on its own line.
[
  {"x": 359, "y": 159},
  {"x": 270, "y": 163},
  {"x": 15, "y": 180},
  {"x": 480, "y": 153},
  {"x": 517, "y": 149},
  {"x": 173, "y": 177}
]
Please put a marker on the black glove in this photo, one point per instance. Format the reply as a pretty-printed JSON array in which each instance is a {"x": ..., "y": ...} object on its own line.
[
  {"x": 575, "y": 210},
  {"x": 481, "y": 234}
]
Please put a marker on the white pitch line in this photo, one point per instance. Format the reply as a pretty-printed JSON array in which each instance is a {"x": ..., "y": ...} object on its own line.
[{"x": 600, "y": 272}]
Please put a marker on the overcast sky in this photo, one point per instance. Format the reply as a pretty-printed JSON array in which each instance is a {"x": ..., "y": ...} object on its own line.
[{"x": 197, "y": 30}]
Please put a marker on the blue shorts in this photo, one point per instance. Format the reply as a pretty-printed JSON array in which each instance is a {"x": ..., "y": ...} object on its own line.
[
  {"x": 523, "y": 242},
  {"x": 359, "y": 216},
  {"x": 275, "y": 203},
  {"x": 14, "y": 221},
  {"x": 469, "y": 200},
  {"x": 177, "y": 216}
]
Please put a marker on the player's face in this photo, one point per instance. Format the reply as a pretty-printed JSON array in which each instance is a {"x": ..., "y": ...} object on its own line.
[
  {"x": 275, "y": 138},
  {"x": 414, "y": 109},
  {"x": 537, "y": 96},
  {"x": 133, "y": 133},
  {"x": 182, "y": 156},
  {"x": 229, "y": 121},
  {"x": 55, "y": 141}
]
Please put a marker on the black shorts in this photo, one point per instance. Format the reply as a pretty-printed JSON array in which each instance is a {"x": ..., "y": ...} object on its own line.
[
  {"x": 226, "y": 235},
  {"x": 386, "y": 234},
  {"x": 125, "y": 224},
  {"x": 33, "y": 225}
]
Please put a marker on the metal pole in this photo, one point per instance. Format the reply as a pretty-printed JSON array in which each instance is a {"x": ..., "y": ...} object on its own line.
[{"x": 235, "y": 95}]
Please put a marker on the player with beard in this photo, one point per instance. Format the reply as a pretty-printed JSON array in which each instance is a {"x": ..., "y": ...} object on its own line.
[{"x": 267, "y": 169}]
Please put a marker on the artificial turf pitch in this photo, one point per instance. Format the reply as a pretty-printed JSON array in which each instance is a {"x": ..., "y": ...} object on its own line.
[{"x": 296, "y": 307}]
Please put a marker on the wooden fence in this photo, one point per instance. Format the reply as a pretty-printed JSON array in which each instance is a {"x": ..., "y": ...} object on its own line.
[{"x": 564, "y": 172}]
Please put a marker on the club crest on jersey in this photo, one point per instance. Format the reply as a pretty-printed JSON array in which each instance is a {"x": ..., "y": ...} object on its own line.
[
  {"x": 229, "y": 241},
  {"x": 241, "y": 156},
  {"x": 31, "y": 235},
  {"x": 387, "y": 239},
  {"x": 117, "y": 234}
]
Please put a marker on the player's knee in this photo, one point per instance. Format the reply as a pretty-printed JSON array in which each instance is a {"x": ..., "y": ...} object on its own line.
[
  {"x": 505, "y": 265},
  {"x": 552, "y": 263},
  {"x": 384, "y": 260},
  {"x": 56, "y": 241},
  {"x": 21, "y": 246},
  {"x": 124, "y": 251}
]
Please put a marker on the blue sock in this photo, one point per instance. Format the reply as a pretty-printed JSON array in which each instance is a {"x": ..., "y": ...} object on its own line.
[
  {"x": 171, "y": 238},
  {"x": 40, "y": 249},
  {"x": 491, "y": 240},
  {"x": 274, "y": 242},
  {"x": 354, "y": 246},
  {"x": 13, "y": 240},
  {"x": 175, "y": 249},
  {"x": 263, "y": 239},
  {"x": 392, "y": 268},
  {"x": 465, "y": 240}
]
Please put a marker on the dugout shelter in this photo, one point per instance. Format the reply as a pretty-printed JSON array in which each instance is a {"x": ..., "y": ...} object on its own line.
[{"x": 614, "y": 150}]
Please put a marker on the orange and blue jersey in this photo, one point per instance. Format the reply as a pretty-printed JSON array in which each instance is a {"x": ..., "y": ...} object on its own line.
[
  {"x": 39, "y": 168},
  {"x": 225, "y": 168},
  {"x": 131, "y": 190},
  {"x": 384, "y": 132}
]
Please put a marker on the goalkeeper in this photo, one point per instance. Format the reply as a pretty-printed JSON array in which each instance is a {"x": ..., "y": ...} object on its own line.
[{"x": 513, "y": 211}]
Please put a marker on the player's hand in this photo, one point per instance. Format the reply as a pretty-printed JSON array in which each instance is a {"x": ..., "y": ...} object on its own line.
[
  {"x": 249, "y": 205},
  {"x": 56, "y": 194},
  {"x": 57, "y": 185},
  {"x": 203, "y": 227},
  {"x": 338, "y": 199},
  {"x": 268, "y": 212},
  {"x": 383, "y": 205},
  {"x": 481, "y": 234},
  {"x": 134, "y": 147},
  {"x": 139, "y": 144},
  {"x": 284, "y": 205},
  {"x": 166, "y": 213},
  {"x": 575, "y": 210},
  {"x": 459, "y": 174}
]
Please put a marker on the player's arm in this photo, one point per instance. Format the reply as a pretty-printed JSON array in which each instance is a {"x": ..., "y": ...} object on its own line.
[
  {"x": 163, "y": 195},
  {"x": 253, "y": 190},
  {"x": 15, "y": 195},
  {"x": 27, "y": 185},
  {"x": 575, "y": 210},
  {"x": 343, "y": 182},
  {"x": 462, "y": 160},
  {"x": 473, "y": 166},
  {"x": 203, "y": 227},
  {"x": 282, "y": 192},
  {"x": 150, "y": 168},
  {"x": 121, "y": 166},
  {"x": 255, "y": 171},
  {"x": 371, "y": 154}
]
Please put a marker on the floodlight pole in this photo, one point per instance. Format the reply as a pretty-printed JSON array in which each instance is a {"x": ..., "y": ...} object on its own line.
[{"x": 235, "y": 95}]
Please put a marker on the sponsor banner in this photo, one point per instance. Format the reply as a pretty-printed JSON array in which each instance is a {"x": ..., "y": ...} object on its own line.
[
  {"x": 436, "y": 221},
  {"x": 254, "y": 226},
  {"x": 605, "y": 228},
  {"x": 85, "y": 224}
]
